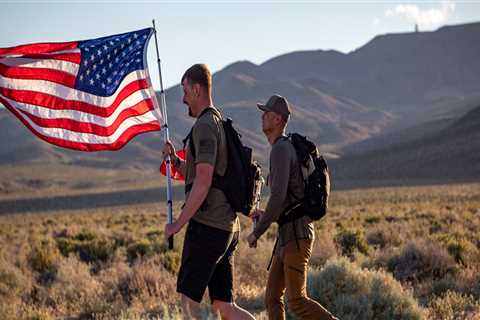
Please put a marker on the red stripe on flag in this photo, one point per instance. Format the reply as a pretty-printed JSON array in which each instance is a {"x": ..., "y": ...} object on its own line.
[
  {"x": 35, "y": 48},
  {"x": 70, "y": 57},
  {"x": 86, "y": 127},
  {"x": 118, "y": 144},
  {"x": 52, "y": 75},
  {"x": 53, "y": 102}
]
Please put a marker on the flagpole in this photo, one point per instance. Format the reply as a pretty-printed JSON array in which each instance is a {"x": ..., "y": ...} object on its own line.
[{"x": 167, "y": 138}]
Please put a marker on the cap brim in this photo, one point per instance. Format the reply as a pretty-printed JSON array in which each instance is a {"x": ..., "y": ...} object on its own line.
[{"x": 262, "y": 107}]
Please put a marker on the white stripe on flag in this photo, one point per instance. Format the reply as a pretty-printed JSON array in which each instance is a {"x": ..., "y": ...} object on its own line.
[
  {"x": 54, "y": 64},
  {"x": 80, "y": 137},
  {"x": 47, "y": 113},
  {"x": 67, "y": 93}
]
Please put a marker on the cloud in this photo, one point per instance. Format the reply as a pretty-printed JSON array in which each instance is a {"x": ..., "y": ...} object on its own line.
[{"x": 427, "y": 17}]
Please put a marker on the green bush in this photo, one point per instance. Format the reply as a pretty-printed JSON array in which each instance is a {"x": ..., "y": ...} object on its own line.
[
  {"x": 351, "y": 241},
  {"x": 350, "y": 292},
  {"x": 89, "y": 247},
  {"x": 139, "y": 249},
  {"x": 84, "y": 235},
  {"x": 171, "y": 261}
]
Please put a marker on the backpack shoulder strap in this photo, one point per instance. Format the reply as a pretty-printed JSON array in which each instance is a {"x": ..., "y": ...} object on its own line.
[{"x": 188, "y": 138}]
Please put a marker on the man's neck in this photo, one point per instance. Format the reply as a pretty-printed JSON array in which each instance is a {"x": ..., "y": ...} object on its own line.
[
  {"x": 204, "y": 105},
  {"x": 274, "y": 135}
]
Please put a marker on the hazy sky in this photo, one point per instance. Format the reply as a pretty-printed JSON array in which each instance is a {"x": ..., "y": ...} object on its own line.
[{"x": 220, "y": 32}]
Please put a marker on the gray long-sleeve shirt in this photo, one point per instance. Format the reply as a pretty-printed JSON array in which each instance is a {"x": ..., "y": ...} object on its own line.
[{"x": 284, "y": 176}]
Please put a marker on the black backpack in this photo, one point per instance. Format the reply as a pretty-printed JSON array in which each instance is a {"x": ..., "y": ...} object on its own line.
[
  {"x": 242, "y": 173},
  {"x": 316, "y": 178}
]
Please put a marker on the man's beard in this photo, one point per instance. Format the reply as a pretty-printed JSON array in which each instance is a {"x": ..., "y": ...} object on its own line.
[{"x": 190, "y": 112}]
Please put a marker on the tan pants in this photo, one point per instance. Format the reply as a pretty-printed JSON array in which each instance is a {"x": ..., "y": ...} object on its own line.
[{"x": 289, "y": 273}]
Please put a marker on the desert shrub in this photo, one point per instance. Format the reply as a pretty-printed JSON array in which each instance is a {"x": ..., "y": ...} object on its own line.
[
  {"x": 95, "y": 250},
  {"x": 149, "y": 280},
  {"x": 350, "y": 292},
  {"x": 443, "y": 285},
  {"x": 88, "y": 247},
  {"x": 139, "y": 249},
  {"x": 8, "y": 310},
  {"x": 84, "y": 235},
  {"x": 467, "y": 281},
  {"x": 12, "y": 282},
  {"x": 75, "y": 289},
  {"x": 171, "y": 261},
  {"x": 372, "y": 220},
  {"x": 420, "y": 260},
  {"x": 44, "y": 258},
  {"x": 35, "y": 313},
  {"x": 351, "y": 241},
  {"x": 146, "y": 248},
  {"x": 453, "y": 305},
  {"x": 323, "y": 249},
  {"x": 383, "y": 237},
  {"x": 462, "y": 250},
  {"x": 154, "y": 235}
]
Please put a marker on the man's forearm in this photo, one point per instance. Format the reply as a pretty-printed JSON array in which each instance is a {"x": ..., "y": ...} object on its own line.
[
  {"x": 197, "y": 196},
  {"x": 271, "y": 214},
  {"x": 179, "y": 164}
]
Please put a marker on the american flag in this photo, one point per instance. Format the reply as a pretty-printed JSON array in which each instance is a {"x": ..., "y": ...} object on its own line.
[{"x": 86, "y": 95}]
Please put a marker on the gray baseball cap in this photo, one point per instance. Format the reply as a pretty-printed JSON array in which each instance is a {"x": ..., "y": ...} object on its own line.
[{"x": 277, "y": 104}]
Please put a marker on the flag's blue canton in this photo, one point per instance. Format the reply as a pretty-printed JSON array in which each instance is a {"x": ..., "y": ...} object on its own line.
[{"x": 106, "y": 61}]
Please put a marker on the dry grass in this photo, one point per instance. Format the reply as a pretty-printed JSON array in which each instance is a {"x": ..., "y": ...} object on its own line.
[{"x": 110, "y": 262}]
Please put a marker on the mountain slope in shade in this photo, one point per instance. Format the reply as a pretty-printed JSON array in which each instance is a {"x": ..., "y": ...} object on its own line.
[{"x": 450, "y": 154}]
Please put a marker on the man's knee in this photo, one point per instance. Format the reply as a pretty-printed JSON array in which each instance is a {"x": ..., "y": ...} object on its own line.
[
  {"x": 272, "y": 300},
  {"x": 297, "y": 305}
]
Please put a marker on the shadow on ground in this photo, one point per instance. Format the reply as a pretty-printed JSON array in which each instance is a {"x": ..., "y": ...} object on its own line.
[{"x": 89, "y": 200}]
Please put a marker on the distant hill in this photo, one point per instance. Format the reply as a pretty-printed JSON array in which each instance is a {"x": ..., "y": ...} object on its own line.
[
  {"x": 396, "y": 93},
  {"x": 450, "y": 154}
]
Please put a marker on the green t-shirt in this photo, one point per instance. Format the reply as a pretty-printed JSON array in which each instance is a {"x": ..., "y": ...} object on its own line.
[{"x": 208, "y": 138}]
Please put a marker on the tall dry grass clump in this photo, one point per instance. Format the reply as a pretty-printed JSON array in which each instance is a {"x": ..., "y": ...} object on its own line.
[
  {"x": 453, "y": 305},
  {"x": 75, "y": 290}
]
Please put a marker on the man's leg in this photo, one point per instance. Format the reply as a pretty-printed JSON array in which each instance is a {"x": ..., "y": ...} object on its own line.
[
  {"x": 229, "y": 310},
  {"x": 295, "y": 269},
  {"x": 275, "y": 290},
  {"x": 220, "y": 286},
  {"x": 203, "y": 247},
  {"x": 191, "y": 309}
]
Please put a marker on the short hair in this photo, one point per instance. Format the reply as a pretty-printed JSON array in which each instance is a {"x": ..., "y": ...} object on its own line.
[{"x": 199, "y": 73}]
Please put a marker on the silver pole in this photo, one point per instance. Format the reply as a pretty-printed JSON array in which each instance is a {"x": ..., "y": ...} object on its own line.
[{"x": 167, "y": 138}]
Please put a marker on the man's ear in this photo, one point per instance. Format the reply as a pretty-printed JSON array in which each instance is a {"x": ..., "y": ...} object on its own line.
[{"x": 196, "y": 89}]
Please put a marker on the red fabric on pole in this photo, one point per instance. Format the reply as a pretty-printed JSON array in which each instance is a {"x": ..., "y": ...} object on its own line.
[{"x": 176, "y": 175}]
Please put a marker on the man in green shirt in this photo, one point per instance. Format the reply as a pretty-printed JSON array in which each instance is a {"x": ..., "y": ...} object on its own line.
[
  {"x": 213, "y": 228},
  {"x": 294, "y": 244}
]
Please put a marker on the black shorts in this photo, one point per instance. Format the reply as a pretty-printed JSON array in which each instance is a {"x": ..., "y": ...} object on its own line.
[{"x": 207, "y": 261}]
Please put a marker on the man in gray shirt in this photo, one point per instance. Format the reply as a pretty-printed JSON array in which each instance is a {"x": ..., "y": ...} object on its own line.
[{"x": 288, "y": 272}]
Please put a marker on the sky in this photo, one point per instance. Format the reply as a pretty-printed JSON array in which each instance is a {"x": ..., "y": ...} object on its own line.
[{"x": 219, "y": 33}]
